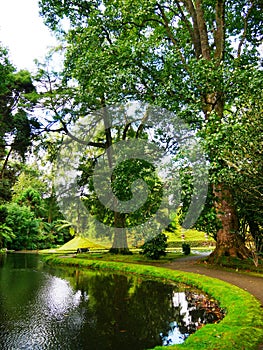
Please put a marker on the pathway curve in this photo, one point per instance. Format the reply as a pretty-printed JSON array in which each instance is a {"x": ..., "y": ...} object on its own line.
[{"x": 252, "y": 284}]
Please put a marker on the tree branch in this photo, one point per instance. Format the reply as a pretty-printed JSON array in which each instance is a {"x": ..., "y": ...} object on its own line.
[
  {"x": 202, "y": 30},
  {"x": 243, "y": 37},
  {"x": 194, "y": 33},
  {"x": 171, "y": 36},
  {"x": 142, "y": 25},
  {"x": 124, "y": 135},
  {"x": 5, "y": 163},
  {"x": 220, "y": 30},
  {"x": 82, "y": 142},
  {"x": 141, "y": 126}
]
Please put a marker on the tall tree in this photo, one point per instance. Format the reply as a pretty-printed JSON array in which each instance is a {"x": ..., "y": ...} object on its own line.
[
  {"x": 181, "y": 55},
  {"x": 242, "y": 152},
  {"x": 16, "y": 127},
  {"x": 98, "y": 144}
]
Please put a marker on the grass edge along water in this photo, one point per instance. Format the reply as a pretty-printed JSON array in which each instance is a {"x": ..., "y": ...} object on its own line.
[{"x": 241, "y": 328}]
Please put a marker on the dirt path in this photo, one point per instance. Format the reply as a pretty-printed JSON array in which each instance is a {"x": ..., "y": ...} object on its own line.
[{"x": 252, "y": 284}]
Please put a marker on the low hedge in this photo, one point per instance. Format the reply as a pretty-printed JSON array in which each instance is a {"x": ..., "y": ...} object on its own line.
[
  {"x": 241, "y": 328},
  {"x": 178, "y": 244}
]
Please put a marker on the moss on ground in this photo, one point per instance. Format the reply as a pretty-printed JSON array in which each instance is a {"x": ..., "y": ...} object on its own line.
[{"x": 242, "y": 327}]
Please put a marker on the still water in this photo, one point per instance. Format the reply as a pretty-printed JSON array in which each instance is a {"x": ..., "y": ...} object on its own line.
[{"x": 59, "y": 308}]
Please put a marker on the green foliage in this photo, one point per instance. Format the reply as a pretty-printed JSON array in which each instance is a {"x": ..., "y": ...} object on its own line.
[
  {"x": 21, "y": 228},
  {"x": 23, "y": 196},
  {"x": 237, "y": 143},
  {"x": 31, "y": 198},
  {"x": 30, "y": 220},
  {"x": 17, "y": 129},
  {"x": 14, "y": 120},
  {"x": 3, "y": 213},
  {"x": 7, "y": 182},
  {"x": 49, "y": 236},
  {"x": 155, "y": 247},
  {"x": 124, "y": 176},
  {"x": 208, "y": 221},
  {"x": 193, "y": 243},
  {"x": 24, "y": 226},
  {"x": 29, "y": 177},
  {"x": 6, "y": 235}
]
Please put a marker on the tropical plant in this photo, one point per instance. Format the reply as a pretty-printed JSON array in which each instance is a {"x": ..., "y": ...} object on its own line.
[{"x": 23, "y": 224}]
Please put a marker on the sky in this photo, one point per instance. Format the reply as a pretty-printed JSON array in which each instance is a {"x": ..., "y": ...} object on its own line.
[{"x": 23, "y": 32}]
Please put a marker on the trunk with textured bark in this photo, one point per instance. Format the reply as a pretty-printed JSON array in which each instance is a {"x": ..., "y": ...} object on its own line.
[
  {"x": 257, "y": 235},
  {"x": 120, "y": 244},
  {"x": 2, "y": 172},
  {"x": 229, "y": 243}
]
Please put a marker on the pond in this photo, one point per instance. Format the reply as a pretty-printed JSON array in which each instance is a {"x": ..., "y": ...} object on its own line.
[{"x": 42, "y": 307}]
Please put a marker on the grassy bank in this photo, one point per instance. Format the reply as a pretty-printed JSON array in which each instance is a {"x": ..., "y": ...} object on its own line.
[
  {"x": 136, "y": 257},
  {"x": 242, "y": 327}
]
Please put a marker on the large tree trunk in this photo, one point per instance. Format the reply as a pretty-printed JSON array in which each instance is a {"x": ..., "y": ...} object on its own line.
[
  {"x": 229, "y": 243},
  {"x": 120, "y": 244},
  {"x": 2, "y": 172}
]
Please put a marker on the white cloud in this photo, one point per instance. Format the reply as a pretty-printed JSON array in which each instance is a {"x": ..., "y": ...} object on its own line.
[{"x": 23, "y": 32}]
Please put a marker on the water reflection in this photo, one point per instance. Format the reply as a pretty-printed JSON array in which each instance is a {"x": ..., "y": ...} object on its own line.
[
  {"x": 43, "y": 308},
  {"x": 58, "y": 297},
  {"x": 195, "y": 310}
]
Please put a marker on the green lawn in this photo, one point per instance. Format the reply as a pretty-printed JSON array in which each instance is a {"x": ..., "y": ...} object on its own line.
[
  {"x": 190, "y": 235},
  {"x": 194, "y": 237}
]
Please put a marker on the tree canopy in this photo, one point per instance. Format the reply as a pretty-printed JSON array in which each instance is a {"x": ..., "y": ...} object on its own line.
[
  {"x": 200, "y": 59},
  {"x": 17, "y": 128}
]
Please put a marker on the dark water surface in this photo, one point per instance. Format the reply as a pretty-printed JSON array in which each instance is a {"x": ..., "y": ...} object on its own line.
[{"x": 61, "y": 308}]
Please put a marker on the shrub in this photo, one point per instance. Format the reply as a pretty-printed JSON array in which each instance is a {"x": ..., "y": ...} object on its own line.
[
  {"x": 156, "y": 247},
  {"x": 186, "y": 248},
  {"x": 24, "y": 225}
]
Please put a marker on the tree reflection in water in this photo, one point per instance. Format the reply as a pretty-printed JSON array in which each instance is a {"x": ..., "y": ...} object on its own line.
[
  {"x": 61, "y": 308},
  {"x": 133, "y": 313}
]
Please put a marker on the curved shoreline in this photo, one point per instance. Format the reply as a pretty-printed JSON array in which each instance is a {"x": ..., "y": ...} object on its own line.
[
  {"x": 250, "y": 283},
  {"x": 242, "y": 327}
]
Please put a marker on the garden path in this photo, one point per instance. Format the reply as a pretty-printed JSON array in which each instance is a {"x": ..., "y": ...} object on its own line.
[{"x": 252, "y": 284}]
